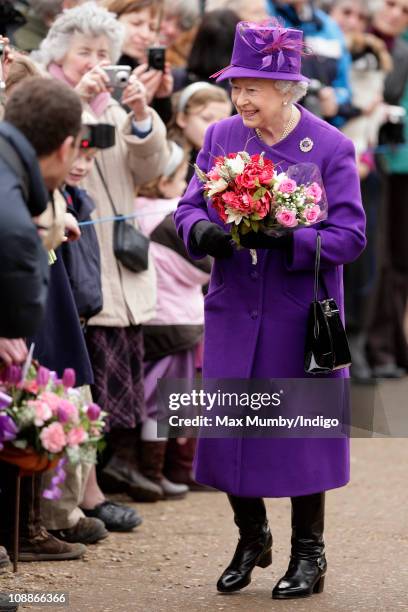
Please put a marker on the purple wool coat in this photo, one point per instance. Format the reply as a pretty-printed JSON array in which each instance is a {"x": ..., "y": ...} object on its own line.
[{"x": 255, "y": 316}]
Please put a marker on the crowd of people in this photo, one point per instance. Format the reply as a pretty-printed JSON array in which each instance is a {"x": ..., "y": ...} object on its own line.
[{"x": 120, "y": 328}]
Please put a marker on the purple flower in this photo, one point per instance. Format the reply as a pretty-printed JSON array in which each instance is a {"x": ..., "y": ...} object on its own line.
[
  {"x": 5, "y": 400},
  {"x": 63, "y": 414},
  {"x": 68, "y": 378},
  {"x": 8, "y": 429},
  {"x": 93, "y": 412},
  {"x": 12, "y": 374},
  {"x": 54, "y": 492},
  {"x": 43, "y": 376}
]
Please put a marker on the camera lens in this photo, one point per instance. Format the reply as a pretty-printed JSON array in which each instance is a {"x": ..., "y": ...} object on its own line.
[{"x": 122, "y": 78}]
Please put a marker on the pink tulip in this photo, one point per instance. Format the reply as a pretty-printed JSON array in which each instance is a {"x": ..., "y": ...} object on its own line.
[{"x": 68, "y": 378}]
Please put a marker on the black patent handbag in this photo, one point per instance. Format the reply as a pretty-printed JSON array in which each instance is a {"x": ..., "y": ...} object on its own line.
[
  {"x": 326, "y": 348},
  {"x": 130, "y": 246}
]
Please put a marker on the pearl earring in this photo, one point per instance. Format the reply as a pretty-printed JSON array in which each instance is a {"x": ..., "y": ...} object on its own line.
[{"x": 285, "y": 103}]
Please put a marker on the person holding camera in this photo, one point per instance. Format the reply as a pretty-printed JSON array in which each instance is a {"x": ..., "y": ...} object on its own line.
[
  {"x": 371, "y": 62},
  {"x": 387, "y": 345},
  {"x": 141, "y": 20},
  {"x": 78, "y": 46},
  {"x": 326, "y": 62}
]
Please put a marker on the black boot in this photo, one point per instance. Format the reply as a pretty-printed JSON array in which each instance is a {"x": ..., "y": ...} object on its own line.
[
  {"x": 307, "y": 566},
  {"x": 254, "y": 544}
]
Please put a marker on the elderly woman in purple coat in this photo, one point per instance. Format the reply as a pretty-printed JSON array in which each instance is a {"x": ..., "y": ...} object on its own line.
[{"x": 256, "y": 315}]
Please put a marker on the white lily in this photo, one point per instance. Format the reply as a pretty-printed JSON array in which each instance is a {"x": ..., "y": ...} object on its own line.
[
  {"x": 217, "y": 187},
  {"x": 235, "y": 166},
  {"x": 233, "y": 216}
]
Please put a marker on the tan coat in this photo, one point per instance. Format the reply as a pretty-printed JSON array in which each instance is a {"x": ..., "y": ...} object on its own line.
[{"x": 129, "y": 298}]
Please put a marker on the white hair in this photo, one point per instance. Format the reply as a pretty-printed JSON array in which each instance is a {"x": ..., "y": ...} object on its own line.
[
  {"x": 88, "y": 19},
  {"x": 296, "y": 89}
]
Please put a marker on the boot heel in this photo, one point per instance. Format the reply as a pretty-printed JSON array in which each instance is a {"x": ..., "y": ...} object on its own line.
[
  {"x": 265, "y": 559},
  {"x": 319, "y": 586}
]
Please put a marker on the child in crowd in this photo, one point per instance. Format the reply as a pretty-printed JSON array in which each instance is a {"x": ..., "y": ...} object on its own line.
[
  {"x": 195, "y": 108},
  {"x": 81, "y": 262},
  {"x": 171, "y": 338}
]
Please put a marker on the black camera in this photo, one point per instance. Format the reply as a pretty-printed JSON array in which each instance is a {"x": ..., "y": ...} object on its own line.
[
  {"x": 392, "y": 132},
  {"x": 156, "y": 57},
  {"x": 97, "y": 136}
]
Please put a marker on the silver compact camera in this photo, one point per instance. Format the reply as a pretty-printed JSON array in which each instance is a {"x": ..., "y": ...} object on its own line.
[{"x": 118, "y": 75}]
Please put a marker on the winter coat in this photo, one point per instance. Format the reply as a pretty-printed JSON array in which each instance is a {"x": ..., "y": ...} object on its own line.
[
  {"x": 59, "y": 342},
  {"x": 178, "y": 324},
  {"x": 23, "y": 260},
  {"x": 129, "y": 298},
  {"x": 82, "y": 258},
  {"x": 256, "y": 316}
]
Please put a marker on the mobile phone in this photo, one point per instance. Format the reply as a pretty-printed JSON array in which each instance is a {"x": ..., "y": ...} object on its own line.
[
  {"x": 156, "y": 57},
  {"x": 118, "y": 75}
]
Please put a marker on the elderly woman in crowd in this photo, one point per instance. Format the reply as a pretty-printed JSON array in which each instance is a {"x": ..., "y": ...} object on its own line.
[
  {"x": 79, "y": 43},
  {"x": 262, "y": 336},
  {"x": 141, "y": 21}
]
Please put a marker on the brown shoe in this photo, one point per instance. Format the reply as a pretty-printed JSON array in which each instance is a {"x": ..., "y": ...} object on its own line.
[
  {"x": 151, "y": 465},
  {"x": 4, "y": 559},
  {"x": 178, "y": 464},
  {"x": 45, "y": 547},
  {"x": 86, "y": 531}
]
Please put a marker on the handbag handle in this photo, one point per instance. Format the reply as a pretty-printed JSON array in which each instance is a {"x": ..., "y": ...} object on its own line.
[
  {"x": 105, "y": 186},
  {"x": 317, "y": 267}
]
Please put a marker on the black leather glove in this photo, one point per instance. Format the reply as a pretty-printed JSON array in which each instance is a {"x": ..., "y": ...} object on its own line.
[
  {"x": 211, "y": 238},
  {"x": 259, "y": 240}
]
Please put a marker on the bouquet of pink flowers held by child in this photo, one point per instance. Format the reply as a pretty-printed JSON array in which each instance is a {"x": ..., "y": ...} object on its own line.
[{"x": 250, "y": 194}]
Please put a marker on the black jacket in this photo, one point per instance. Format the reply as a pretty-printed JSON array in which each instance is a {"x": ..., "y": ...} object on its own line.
[
  {"x": 82, "y": 258},
  {"x": 23, "y": 260},
  {"x": 59, "y": 342}
]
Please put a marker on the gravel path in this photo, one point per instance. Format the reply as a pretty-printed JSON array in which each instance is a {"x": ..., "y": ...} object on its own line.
[{"x": 173, "y": 560}]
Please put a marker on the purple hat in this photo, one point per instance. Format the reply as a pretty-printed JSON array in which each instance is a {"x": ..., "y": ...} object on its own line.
[{"x": 265, "y": 51}]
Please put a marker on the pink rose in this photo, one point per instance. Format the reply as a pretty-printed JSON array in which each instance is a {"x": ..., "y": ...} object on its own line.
[
  {"x": 314, "y": 192},
  {"x": 42, "y": 412},
  {"x": 53, "y": 438},
  {"x": 77, "y": 436},
  {"x": 312, "y": 213},
  {"x": 287, "y": 186},
  {"x": 287, "y": 218},
  {"x": 51, "y": 399}
]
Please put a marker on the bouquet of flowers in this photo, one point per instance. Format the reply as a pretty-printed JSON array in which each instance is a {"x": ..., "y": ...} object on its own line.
[
  {"x": 250, "y": 194},
  {"x": 44, "y": 414}
]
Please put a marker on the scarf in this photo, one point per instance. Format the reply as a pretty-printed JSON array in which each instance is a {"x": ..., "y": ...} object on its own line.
[{"x": 98, "y": 104}]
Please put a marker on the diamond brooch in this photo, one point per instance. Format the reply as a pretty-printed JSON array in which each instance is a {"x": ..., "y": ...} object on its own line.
[{"x": 306, "y": 145}]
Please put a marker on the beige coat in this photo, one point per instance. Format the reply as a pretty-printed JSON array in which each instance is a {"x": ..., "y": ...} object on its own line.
[{"x": 129, "y": 298}]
